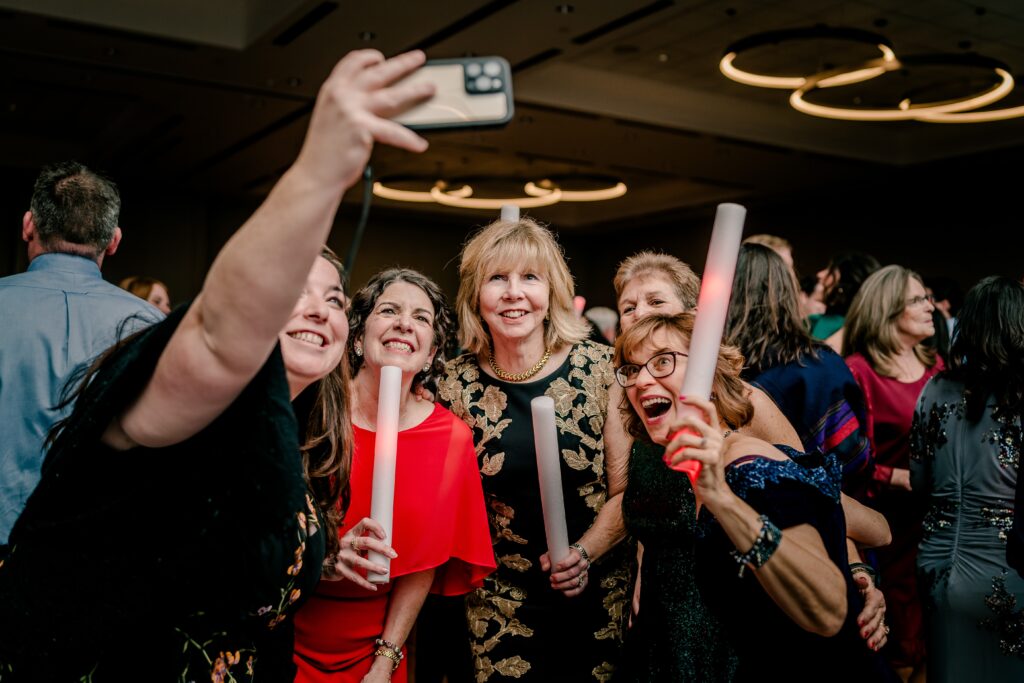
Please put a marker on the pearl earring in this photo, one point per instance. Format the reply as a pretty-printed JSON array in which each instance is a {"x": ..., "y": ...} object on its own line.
[
  {"x": 359, "y": 349},
  {"x": 426, "y": 368}
]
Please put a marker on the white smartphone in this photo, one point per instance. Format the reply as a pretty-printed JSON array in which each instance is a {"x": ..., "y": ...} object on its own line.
[{"x": 470, "y": 92}]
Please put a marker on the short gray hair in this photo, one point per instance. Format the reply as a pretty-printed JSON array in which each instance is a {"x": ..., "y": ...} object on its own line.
[{"x": 74, "y": 205}]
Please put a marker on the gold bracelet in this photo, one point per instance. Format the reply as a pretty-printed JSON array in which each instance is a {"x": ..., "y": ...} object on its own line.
[{"x": 390, "y": 654}]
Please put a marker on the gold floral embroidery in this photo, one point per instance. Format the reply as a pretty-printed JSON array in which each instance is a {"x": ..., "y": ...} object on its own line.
[
  {"x": 493, "y": 403},
  {"x": 581, "y": 404}
]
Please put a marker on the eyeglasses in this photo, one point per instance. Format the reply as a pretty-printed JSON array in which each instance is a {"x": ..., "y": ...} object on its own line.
[
  {"x": 660, "y": 365},
  {"x": 918, "y": 300}
]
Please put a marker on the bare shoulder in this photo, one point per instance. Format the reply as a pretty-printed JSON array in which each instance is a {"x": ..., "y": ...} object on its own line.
[
  {"x": 769, "y": 423},
  {"x": 741, "y": 445}
]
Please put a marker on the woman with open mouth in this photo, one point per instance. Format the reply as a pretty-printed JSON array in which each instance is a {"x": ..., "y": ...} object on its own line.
[
  {"x": 352, "y": 630},
  {"x": 740, "y": 576}
]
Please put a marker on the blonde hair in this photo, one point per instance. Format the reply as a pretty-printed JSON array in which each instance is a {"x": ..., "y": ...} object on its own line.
[
  {"x": 140, "y": 285},
  {"x": 773, "y": 242},
  {"x": 508, "y": 244},
  {"x": 728, "y": 392},
  {"x": 872, "y": 321},
  {"x": 684, "y": 281}
]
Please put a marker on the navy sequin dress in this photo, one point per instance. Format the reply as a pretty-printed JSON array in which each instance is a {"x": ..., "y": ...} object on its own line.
[{"x": 801, "y": 490}]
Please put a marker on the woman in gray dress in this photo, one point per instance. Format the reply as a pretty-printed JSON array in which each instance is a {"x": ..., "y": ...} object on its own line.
[{"x": 965, "y": 455}]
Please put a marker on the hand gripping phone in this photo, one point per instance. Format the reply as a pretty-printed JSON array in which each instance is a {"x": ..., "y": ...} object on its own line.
[{"x": 470, "y": 92}]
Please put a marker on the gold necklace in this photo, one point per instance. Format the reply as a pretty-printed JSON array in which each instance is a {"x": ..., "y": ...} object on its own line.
[{"x": 522, "y": 376}]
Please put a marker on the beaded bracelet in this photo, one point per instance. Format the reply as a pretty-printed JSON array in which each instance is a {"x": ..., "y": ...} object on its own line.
[
  {"x": 385, "y": 648},
  {"x": 863, "y": 568},
  {"x": 582, "y": 551},
  {"x": 765, "y": 545}
]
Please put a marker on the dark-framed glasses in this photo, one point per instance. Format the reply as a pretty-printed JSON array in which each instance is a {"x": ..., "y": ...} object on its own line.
[
  {"x": 659, "y": 365},
  {"x": 918, "y": 300}
]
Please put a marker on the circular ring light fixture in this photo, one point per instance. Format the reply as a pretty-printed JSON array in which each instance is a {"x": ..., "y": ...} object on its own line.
[
  {"x": 907, "y": 110},
  {"x": 384, "y": 192},
  {"x": 466, "y": 202},
  {"x": 972, "y": 116},
  {"x": 728, "y": 67},
  {"x": 614, "y": 189}
]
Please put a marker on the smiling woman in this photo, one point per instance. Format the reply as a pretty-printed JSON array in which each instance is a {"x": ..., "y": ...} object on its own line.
[
  {"x": 352, "y": 630},
  {"x": 768, "y": 509},
  {"x": 192, "y": 505},
  {"x": 524, "y": 340}
]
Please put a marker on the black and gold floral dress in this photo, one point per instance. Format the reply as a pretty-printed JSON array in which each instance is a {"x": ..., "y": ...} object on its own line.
[
  {"x": 163, "y": 564},
  {"x": 520, "y": 628}
]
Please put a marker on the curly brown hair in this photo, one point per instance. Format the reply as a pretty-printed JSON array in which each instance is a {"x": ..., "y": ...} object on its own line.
[{"x": 728, "y": 392}]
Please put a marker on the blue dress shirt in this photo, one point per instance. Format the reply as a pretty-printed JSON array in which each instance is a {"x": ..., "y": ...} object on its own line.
[{"x": 57, "y": 315}]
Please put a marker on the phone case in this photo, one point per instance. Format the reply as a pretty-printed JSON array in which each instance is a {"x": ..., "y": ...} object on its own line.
[{"x": 471, "y": 92}]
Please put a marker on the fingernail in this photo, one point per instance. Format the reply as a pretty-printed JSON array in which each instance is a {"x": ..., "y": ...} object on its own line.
[
  {"x": 871, "y": 644},
  {"x": 393, "y": 554}
]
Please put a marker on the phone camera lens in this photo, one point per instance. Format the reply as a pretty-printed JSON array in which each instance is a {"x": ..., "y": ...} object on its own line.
[
  {"x": 492, "y": 68},
  {"x": 496, "y": 84},
  {"x": 473, "y": 69},
  {"x": 483, "y": 83}
]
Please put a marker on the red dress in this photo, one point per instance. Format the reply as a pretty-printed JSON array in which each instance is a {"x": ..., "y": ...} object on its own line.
[
  {"x": 890, "y": 410},
  {"x": 439, "y": 523}
]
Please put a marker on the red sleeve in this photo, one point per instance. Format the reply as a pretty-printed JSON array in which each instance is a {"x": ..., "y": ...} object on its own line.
[
  {"x": 881, "y": 474},
  {"x": 440, "y": 520}
]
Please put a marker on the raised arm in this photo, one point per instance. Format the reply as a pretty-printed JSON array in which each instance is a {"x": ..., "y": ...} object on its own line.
[
  {"x": 799, "y": 575},
  {"x": 232, "y": 326}
]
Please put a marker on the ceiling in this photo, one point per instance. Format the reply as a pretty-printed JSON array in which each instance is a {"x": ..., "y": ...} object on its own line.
[{"x": 214, "y": 96}]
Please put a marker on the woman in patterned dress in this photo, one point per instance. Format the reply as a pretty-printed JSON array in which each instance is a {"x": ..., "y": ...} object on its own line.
[
  {"x": 533, "y": 621},
  {"x": 965, "y": 459}
]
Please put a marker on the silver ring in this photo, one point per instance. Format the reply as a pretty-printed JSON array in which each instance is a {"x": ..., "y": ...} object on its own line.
[
  {"x": 703, "y": 442},
  {"x": 352, "y": 544}
]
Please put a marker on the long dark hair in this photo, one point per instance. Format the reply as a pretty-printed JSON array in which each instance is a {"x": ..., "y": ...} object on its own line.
[
  {"x": 851, "y": 269},
  {"x": 987, "y": 354},
  {"x": 327, "y": 450},
  {"x": 764, "y": 317}
]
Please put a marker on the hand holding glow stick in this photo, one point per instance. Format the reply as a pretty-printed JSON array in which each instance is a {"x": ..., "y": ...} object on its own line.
[
  {"x": 545, "y": 439},
  {"x": 712, "y": 307},
  {"x": 385, "y": 457}
]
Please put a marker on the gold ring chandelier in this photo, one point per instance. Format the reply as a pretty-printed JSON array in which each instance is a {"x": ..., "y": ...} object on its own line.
[
  {"x": 541, "y": 193},
  {"x": 961, "y": 110}
]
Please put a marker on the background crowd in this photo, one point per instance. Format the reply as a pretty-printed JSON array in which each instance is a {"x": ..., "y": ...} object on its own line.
[{"x": 195, "y": 483}]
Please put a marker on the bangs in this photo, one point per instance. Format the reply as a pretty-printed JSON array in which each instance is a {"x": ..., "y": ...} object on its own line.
[{"x": 510, "y": 254}]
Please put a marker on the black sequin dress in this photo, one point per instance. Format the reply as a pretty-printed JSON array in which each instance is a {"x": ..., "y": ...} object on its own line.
[
  {"x": 674, "y": 637},
  {"x": 520, "y": 628}
]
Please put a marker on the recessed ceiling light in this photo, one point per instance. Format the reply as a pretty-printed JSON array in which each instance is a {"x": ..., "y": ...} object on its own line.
[
  {"x": 367, "y": 36},
  {"x": 662, "y": 57},
  {"x": 565, "y": 9}
]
